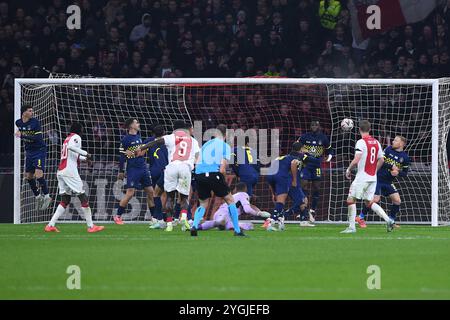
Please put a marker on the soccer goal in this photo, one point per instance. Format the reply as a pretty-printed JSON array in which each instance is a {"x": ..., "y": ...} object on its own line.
[{"x": 417, "y": 109}]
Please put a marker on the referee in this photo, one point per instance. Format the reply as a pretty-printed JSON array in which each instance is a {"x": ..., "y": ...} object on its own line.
[{"x": 210, "y": 176}]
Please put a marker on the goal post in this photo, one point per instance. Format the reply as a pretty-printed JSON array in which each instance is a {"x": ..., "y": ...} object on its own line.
[{"x": 417, "y": 108}]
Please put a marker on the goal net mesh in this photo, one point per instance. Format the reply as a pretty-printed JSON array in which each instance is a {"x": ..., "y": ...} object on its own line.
[{"x": 102, "y": 108}]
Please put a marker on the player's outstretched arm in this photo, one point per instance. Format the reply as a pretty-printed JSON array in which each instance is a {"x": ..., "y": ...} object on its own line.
[
  {"x": 78, "y": 150},
  {"x": 148, "y": 145}
]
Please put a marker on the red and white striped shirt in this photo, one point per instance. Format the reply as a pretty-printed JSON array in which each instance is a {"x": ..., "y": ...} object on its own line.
[
  {"x": 371, "y": 151},
  {"x": 71, "y": 153}
]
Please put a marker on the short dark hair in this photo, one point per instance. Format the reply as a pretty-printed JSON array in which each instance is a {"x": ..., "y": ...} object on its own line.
[
  {"x": 180, "y": 124},
  {"x": 76, "y": 127},
  {"x": 297, "y": 146},
  {"x": 241, "y": 187},
  {"x": 222, "y": 129},
  {"x": 25, "y": 107},
  {"x": 158, "y": 130},
  {"x": 128, "y": 122},
  {"x": 364, "y": 126}
]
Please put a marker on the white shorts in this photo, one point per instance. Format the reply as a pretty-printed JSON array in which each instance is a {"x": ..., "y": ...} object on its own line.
[
  {"x": 177, "y": 176},
  {"x": 70, "y": 185},
  {"x": 362, "y": 190}
]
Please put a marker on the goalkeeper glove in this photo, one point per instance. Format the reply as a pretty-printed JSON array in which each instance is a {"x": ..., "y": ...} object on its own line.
[{"x": 264, "y": 214}]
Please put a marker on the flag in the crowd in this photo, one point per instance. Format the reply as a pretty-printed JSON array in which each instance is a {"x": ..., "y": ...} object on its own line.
[{"x": 393, "y": 13}]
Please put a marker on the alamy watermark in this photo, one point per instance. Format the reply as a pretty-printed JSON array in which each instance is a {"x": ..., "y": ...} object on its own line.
[
  {"x": 374, "y": 280},
  {"x": 74, "y": 19},
  {"x": 73, "y": 282}
]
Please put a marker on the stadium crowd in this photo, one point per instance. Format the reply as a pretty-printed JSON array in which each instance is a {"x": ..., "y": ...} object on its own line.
[{"x": 206, "y": 38}]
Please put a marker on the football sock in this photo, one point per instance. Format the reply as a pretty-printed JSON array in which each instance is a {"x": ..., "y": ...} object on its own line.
[{"x": 33, "y": 186}]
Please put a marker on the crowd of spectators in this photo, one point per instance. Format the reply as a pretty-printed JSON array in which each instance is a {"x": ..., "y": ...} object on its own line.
[{"x": 206, "y": 38}]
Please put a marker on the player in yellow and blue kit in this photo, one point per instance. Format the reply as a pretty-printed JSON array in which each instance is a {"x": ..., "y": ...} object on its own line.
[
  {"x": 246, "y": 166},
  {"x": 316, "y": 145},
  {"x": 283, "y": 182},
  {"x": 396, "y": 164},
  {"x": 30, "y": 133},
  {"x": 137, "y": 172}
]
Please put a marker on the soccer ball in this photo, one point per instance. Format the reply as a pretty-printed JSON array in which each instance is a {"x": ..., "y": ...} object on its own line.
[{"x": 347, "y": 124}]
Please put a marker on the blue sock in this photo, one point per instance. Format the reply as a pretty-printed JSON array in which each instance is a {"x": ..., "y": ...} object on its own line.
[
  {"x": 177, "y": 210},
  {"x": 315, "y": 200},
  {"x": 364, "y": 211},
  {"x": 157, "y": 212},
  {"x": 33, "y": 186},
  {"x": 43, "y": 185},
  {"x": 395, "y": 208},
  {"x": 120, "y": 210},
  {"x": 198, "y": 216},
  {"x": 305, "y": 214},
  {"x": 234, "y": 217},
  {"x": 278, "y": 210}
]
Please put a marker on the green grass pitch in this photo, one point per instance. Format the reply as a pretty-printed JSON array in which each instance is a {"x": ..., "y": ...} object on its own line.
[{"x": 133, "y": 262}]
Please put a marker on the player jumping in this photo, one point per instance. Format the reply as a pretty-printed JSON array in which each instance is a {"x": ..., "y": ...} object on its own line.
[
  {"x": 368, "y": 159},
  {"x": 183, "y": 151},
  {"x": 222, "y": 219},
  {"x": 69, "y": 181},
  {"x": 137, "y": 172},
  {"x": 35, "y": 153},
  {"x": 317, "y": 145},
  {"x": 396, "y": 164}
]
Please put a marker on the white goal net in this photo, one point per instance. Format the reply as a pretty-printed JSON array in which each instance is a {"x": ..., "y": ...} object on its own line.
[{"x": 418, "y": 110}]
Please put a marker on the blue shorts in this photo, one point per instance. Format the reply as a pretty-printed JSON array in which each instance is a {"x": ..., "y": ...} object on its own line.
[
  {"x": 158, "y": 180},
  {"x": 250, "y": 181},
  {"x": 279, "y": 185},
  {"x": 385, "y": 189},
  {"x": 35, "y": 160},
  {"x": 311, "y": 174},
  {"x": 138, "y": 178}
]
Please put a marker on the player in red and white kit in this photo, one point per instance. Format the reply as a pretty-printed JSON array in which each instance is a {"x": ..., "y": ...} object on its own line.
[
  {"x": 69, "y": 181},
  {"x": 369, "y": 159},
  {"x": 182, "y": 150}
]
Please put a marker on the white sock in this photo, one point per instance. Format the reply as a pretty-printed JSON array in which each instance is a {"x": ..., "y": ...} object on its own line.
[
  {"x": 59, "y": 211},
  {"x": 183, "y": 216},
  {"x": 351, "y": 215},
  {"x": 88, "y": 216},
  {"x": 380, "y": 212}
]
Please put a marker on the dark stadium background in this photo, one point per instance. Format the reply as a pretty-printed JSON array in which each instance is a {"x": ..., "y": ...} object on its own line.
[{"x": 202, "y": 38}]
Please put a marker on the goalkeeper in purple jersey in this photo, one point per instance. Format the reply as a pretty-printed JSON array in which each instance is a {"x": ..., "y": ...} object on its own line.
[
  {"x": 222, "y": 218},
  {"x": 316, "y": 145},
  {"x": 396, "y": 164}
]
